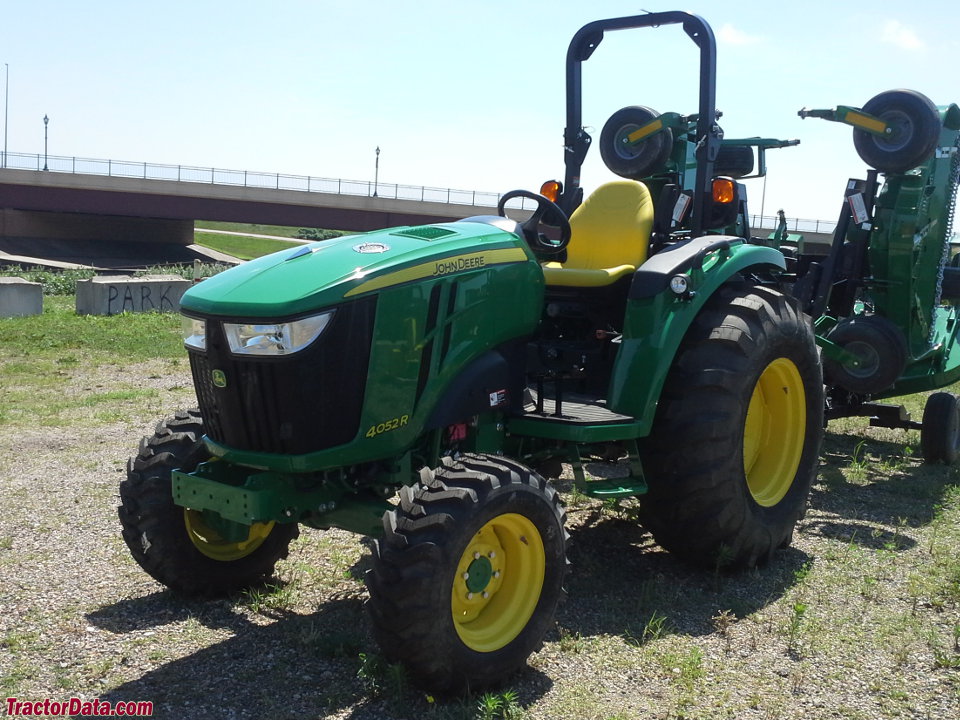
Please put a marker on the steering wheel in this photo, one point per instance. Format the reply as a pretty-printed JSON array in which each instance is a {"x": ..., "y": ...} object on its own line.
[{"x": 537, "y": 241}]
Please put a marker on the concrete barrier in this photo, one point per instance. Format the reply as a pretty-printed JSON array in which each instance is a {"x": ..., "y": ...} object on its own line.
[
  {"x": 19, "y": 297},
  {"x": 114, "y": 294}
]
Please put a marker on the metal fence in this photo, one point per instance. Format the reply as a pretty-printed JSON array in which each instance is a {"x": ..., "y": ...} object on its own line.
[
  {"x": 308, "y": 183},
  {"x": 798, "y": 225},
  {"x": 253, "y": 179}
]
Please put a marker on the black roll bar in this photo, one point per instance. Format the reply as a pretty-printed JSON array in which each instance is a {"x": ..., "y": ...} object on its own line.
[{"x": 577, "y": 141}]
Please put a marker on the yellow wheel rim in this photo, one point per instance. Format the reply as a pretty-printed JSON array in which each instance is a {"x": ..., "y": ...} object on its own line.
[
  {"x": 774, "y": 432},
  {"x": 210, "y": 543},
  {"x": 498, "y": 582}
]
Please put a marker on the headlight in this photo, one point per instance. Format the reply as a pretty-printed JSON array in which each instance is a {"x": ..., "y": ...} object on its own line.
[
  {"x": 194, "y": 333},
  {"x": 275, "y": 338}
]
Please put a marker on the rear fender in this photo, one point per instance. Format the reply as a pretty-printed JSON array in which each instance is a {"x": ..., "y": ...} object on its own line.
[{"x": 657, "y": 318}]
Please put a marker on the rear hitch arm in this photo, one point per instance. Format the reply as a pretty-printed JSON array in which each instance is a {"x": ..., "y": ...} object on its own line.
[
  {"x": 671, "y": 120},
  {"x": 850, "y": 116}
]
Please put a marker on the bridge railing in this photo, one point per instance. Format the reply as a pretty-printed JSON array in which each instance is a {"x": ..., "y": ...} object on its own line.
[
  {"x": 308, "y": 183},
  {"x": 759, "y": 223},
  {"x": 248, "y": 178}
]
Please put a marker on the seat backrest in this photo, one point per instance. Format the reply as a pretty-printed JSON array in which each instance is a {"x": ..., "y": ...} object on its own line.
[{"x": 611, "y": 227}]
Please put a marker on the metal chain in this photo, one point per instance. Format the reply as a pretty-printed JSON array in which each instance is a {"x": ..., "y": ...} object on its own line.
[{"x": 951, "y": 197}]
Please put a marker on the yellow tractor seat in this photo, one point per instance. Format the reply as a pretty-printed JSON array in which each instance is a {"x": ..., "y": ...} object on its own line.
[{"x": 609, "y": 236}]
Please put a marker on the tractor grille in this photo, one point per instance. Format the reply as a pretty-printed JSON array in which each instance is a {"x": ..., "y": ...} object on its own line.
[{"x": 295, "y": 404}]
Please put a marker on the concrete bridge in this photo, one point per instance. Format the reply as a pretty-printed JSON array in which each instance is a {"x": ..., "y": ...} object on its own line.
[
  {"x": 96, "y": 208},
  {"x": 113, "y": 213}
]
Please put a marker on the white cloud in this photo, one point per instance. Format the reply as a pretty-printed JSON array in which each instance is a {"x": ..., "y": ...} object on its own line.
[
  {"x": 730, "y": 35},
  {"x": 896, "y": 33}
]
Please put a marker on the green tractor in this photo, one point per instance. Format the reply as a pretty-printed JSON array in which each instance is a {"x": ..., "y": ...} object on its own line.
[{"x": 423, "y": 385}]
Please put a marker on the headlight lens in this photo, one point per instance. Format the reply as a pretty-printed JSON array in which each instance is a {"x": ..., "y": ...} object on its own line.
[
  {"x": 194, "y": 333},
  {"x": 275, "y": 338}
]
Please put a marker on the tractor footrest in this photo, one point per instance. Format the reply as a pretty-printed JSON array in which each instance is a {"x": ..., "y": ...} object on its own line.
[
  {"x": 579, "y": 422},
  {"x": 578, "y": 412}
]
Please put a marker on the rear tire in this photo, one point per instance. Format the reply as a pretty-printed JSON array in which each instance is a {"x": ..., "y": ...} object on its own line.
[
  {"x": 468, "y": 574},
  {"x": 940, "y": 432},
  {"x": 173, "y": 544},
  {"x": 736, "y": 438}
]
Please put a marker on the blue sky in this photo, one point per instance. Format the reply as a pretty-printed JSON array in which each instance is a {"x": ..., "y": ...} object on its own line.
[{"x": 462, "y": 95}]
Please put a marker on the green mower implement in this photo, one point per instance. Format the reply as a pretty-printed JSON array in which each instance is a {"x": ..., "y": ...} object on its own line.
[
  {"x": 426, "y": 385},
  {"x": 884, "y": 293}
]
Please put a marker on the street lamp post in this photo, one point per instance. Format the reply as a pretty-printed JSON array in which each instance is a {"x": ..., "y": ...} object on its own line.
[
  {"x": 376, "y": 172},
  {"x": 6, "y": 111},
  {"x": 46, "y": 121}
]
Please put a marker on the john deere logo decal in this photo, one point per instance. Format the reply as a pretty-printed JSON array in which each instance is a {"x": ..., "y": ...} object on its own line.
[
  {"x": 219, "y": 378},
  {"x": 368, "y": 248}
]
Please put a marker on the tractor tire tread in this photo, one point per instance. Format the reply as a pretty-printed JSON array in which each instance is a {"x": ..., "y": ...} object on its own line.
[
  {"x": 405, "y": 593},
  {"x": 152, "y": 525},
  {"x": 695, "y": 506}
]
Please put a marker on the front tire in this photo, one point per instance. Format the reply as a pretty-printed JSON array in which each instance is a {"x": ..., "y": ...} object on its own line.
[
  {"x": 175, "y": 545},
  {"x": 737, "y": 434},
  {"x": 469, "y": 572}
]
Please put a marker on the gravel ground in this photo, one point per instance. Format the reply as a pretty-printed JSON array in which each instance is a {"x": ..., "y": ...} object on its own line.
[{"x": 857, "y": 620}]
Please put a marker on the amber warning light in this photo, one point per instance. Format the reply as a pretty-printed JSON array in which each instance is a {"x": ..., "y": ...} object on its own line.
[
  {"x": 551, "y": 190},
  {"x": 724, "y": 191}
]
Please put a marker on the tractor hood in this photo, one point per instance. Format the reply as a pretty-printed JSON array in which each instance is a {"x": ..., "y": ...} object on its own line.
[{"x": 299, "y": 281}]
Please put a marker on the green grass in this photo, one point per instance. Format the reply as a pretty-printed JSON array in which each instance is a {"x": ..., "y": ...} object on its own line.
[
  {"x": 55, "y": 282},
  {"x": 59, "y": 334},
  {"x": 41, "y": 356},
  {"x": 251, "y": 228},
  {"x": 245, "y": 248}
]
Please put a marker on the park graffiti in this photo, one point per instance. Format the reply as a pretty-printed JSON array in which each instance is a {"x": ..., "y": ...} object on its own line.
[
  {"x": 122, "y": 298},
  {"x": 118, "y": 294}
]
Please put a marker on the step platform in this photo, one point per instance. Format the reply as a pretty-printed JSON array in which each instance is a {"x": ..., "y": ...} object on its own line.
[{"x": 581, "y": 419}]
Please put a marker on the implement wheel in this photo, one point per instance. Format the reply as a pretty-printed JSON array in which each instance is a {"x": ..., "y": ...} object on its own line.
[
  {"x": 879, "y": 346},
  {"x": 915, "y": 130},
  {"x": 469, "y": 572},
  {"x": 737, "y": 434},
  {"x": 176, "y": 546},
  {"x": 940, "y": 431},
  {"x": 636, "y": 161}
]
